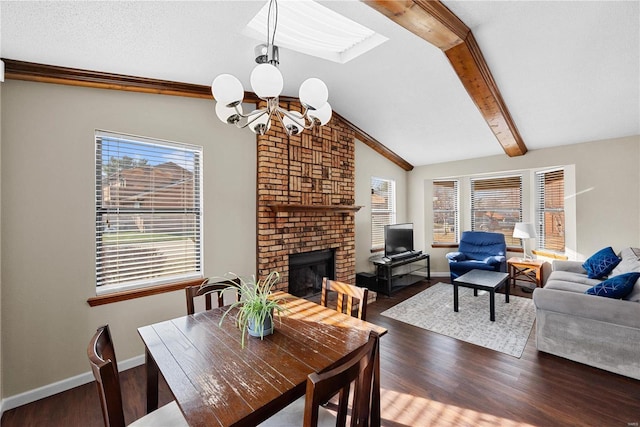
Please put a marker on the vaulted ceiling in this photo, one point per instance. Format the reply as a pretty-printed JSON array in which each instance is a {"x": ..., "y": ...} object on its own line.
[{"x": 565, "y": 71}]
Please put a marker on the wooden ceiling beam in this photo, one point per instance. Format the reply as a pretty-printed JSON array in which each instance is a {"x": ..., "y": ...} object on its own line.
[{"x": 433, "y": 22}]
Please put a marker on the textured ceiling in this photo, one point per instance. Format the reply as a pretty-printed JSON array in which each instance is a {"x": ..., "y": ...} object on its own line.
[{"x": 569, "y": 72}]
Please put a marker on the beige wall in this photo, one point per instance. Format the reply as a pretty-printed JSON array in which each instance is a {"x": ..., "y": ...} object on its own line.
[
  {"x": 1, "y": 393},
  {"x": 606, "y": 197},
  {"x": 369, "y": 163},
  {"x": 47, "y": 217},
  {"x": 47, "y": 211}
]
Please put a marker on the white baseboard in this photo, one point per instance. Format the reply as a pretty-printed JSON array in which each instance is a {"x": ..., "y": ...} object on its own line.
[
  {"x": 440, "y": 274},
  {"x": 12, "y": 402}
]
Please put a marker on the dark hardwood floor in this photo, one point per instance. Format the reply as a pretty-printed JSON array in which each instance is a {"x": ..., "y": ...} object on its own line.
[{"x": 427, "y": 380}]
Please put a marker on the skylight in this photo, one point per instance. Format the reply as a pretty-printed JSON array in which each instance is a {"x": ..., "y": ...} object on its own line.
[{"x": 310, "y": 28}]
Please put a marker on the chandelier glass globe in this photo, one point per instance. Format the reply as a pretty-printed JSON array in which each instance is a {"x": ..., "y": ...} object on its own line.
[
  {"x": 227, "y": 90},
  {"x": 267, "y": 81},
  {"x": 313, "y": 93},
  {"x": 322, "y": 115}
]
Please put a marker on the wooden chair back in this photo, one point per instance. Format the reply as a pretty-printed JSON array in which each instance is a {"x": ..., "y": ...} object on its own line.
[
  {"x": 358, "y": 370},
  {"x": 347, "y": 296},
  {"x": 102, "y": 358},
  {"x": 206, "y": 290}
]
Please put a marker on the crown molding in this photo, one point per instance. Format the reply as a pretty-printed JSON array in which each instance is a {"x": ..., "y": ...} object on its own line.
[{"x": 29, "y": 71}]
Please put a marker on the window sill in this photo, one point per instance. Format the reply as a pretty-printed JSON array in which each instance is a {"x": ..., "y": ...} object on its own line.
[
  {"x": 552, "y": 255},
  {"x": 445, "y": 245},
  {"x": 456, "y": 245},
  {"x": 140, "y": 293}
]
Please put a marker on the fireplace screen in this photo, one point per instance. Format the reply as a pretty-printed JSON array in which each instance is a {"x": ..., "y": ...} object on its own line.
[{"x": 307, "y": 269}]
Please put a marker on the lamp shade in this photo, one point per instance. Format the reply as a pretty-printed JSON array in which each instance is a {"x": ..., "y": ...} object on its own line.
[
  {"x": 227, "y": 90},
  {"x": 524, "y": 230},
  {"x": 266, "y": 81},
  {"x": 313, "y": 93}
]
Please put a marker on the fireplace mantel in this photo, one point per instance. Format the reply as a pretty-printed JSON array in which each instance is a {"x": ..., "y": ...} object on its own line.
[{"x": 292, "y": 207}]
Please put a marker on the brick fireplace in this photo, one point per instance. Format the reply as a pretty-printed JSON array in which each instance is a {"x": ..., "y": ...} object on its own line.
[{"x": 306, "y": 197}]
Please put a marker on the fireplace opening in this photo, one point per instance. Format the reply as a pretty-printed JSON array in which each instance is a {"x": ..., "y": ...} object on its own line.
[{"x": 307, "y": 269}]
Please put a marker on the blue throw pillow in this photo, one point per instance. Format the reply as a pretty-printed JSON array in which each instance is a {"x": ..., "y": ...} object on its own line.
[
  {"x": 601, "y": 263},
  {"x": 615, "y": 287}
]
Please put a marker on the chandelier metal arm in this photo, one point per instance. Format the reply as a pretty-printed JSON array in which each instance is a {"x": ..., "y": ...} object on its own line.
[{"x": 305, "y": 117}]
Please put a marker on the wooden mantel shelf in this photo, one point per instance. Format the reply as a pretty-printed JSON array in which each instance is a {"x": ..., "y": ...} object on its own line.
[{"x": 289, "y": 207}]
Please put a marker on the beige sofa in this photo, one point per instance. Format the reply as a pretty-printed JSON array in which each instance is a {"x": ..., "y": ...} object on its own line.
[{"x": 593, "y": 330}]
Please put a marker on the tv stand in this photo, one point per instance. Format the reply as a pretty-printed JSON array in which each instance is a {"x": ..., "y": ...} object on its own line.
[{"x": 397, "y": 273}]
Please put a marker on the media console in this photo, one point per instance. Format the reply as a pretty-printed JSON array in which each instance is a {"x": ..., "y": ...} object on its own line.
[{"x": 397, "y": 273}]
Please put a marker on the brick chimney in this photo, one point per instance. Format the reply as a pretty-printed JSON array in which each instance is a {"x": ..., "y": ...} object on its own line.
[{"x": 306, "y": 197}]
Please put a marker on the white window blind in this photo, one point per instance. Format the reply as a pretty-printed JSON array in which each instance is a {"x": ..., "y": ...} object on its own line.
[
  {"x": 148, "y": 212},
  {"x": 496, "y": 205},
  {"x": 445, "y": 211},
  {"x": 383, "y": 209},
  {"x": 550, "y": 209}
]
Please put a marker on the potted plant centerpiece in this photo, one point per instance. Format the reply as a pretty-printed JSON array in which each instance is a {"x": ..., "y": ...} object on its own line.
[{"x": 255, "y": 309}]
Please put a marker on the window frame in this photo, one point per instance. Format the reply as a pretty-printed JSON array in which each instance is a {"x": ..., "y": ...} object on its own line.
[
  {"x": 500, "y": 183},
  {"x": 456, "y": 210},
  {"x": 390, "y": 211},
  {"x": 148, "y": 286},
  {"x": 541, "y": 209}
]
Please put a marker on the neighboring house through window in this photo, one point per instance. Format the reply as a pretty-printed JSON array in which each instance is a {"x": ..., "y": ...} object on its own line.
[
  {"x": 445, "y": 211},
  {"x": 550, "y": 210},
  {"x": 383, "y": 209},
  {"x": 496, "y": 205},
  {"x": 148, "y": 212}
]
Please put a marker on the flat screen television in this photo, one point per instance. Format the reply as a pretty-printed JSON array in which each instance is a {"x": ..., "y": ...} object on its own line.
[{"x": 398, "y": 239}]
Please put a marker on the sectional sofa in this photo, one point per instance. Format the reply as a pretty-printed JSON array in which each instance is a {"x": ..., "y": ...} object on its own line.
[{"x": 594, "y": 330}]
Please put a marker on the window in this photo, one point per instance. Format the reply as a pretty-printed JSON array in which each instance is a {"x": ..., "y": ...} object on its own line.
[
  {"x": 496, "y": 205},
  {"x": 445, "y": 211},
  {"x": 383, "y": 209},
  {"x": 550, "y": 209},
  {"x": 148, "y": 212}
]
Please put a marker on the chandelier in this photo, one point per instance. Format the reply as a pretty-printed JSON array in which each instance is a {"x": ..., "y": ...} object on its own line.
[{"x": 267, "y": 83}]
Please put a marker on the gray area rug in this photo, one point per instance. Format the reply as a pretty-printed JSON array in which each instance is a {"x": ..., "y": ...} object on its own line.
[{"x": 432, "y": 309}]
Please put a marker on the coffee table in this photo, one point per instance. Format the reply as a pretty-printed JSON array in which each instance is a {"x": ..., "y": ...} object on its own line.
[{"x": 484, "y": 280}]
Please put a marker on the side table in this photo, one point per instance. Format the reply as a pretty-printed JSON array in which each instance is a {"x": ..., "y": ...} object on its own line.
[{"x": 526, "y": 270}]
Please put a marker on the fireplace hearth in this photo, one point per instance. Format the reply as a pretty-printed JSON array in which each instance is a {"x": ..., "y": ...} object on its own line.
[{"x": 307, "y": 269}]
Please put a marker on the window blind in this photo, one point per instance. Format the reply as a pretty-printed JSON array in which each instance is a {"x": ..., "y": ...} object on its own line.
[
  {"x": 445, "y": 211},
  {"x": 148, "y": 211},
  {"x": 550, "y": 209},
  {"x": 496, "y": 205},
  {"x": 383, "y": 209}
]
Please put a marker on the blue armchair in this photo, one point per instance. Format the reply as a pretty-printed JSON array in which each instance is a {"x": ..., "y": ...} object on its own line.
[{"x": 478, "y": 250}]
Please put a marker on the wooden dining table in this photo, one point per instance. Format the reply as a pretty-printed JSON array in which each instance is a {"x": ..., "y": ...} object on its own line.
[{"x": 216, "y": 382}]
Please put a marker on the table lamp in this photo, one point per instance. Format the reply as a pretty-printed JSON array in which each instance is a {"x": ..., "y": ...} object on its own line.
[{"x": 524, "y": 231}]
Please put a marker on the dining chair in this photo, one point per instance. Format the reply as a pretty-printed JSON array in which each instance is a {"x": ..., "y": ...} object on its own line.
[
  {"x": 205, "y": 290},
  {"x": 346, "y": 295},
  {"x": 321, "y": 387},
  {"x": 102, "y": 358}
]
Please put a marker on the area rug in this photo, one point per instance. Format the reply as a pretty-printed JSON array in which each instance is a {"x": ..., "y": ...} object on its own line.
[{"x": 432, "y": 309}]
